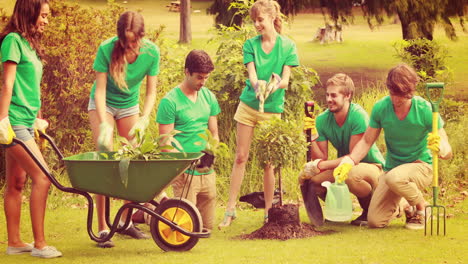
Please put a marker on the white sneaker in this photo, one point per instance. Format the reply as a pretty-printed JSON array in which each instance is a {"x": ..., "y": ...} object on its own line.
[
  {"x": 19, "y": 250},
  {"x": 46, "y": 252}
]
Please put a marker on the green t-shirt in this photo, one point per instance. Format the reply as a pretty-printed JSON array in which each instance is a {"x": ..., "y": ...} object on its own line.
[
  {"x": 355, "y": 124},
  {"x": 191, "y": 118},
  {"x": 26, "y": 96},
  {"x": 147, "y": 63},
  {"x": 283, "y": 53},
  {"x": 406, "y": 139}
]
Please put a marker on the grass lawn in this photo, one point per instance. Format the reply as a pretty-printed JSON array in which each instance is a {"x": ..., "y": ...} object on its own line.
[
  {"x": 66, "y": 229},
  {"x": 365, "y": 55}
]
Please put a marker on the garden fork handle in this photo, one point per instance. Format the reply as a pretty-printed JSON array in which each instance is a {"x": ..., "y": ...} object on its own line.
[{"x": 435, "y": 126}]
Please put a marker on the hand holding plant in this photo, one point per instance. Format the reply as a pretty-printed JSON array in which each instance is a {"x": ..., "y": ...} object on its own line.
[{"x": 213, "y": 149}]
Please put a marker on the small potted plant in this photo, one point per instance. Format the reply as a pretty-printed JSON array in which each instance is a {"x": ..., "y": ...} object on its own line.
[{"x": 213, "y": 149}]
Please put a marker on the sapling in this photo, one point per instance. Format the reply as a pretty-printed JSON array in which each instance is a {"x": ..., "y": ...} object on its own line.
[{"x": 213, "y": 149}]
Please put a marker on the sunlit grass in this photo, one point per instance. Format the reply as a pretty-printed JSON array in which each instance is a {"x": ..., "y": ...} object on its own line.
[{"x": 66, "y": 229}]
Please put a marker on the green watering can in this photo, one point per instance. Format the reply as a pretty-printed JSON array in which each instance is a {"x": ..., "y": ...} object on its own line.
[{"x": 338, "y": 204}]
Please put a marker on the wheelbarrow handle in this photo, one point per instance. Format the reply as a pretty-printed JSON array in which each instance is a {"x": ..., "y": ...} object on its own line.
[{"x": 54, "y": 181}]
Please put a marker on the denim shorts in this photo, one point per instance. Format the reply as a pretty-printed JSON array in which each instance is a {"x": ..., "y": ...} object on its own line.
[
  {"x": 22, "y": 133},
  {"x": 117, "y": 113}
]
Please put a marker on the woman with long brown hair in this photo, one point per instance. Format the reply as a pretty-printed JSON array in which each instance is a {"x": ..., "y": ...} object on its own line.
[
  {"x": 121, "y": 64},
  {"x": 20, "y": 102}
]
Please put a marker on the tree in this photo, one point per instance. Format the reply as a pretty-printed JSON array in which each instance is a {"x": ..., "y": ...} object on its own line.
[
  {"x": 225, "y": 15},
  {"x": 185, "y": 35},
  {"x": 418, "y": 17}
]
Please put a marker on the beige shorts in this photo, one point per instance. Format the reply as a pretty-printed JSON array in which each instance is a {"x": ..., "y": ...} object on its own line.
[{"x": 250, "y": 117}]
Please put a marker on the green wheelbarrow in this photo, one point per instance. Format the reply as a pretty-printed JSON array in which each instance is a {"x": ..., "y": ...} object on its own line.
[{"x": 176, "y": 224}]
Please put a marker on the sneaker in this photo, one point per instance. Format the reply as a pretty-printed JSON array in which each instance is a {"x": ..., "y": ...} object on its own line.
[
  {"x": 417, "y": 221},
  {"x": 46, "y": 252},
  {"x": 105, "y": 244},
  {"x": 19, "y": 250},
  {"x": 134, "y": 232},
  {"x": 361, "y": 220}
]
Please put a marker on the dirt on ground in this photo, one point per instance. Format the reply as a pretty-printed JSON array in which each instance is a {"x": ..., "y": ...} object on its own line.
[{"x": 283, "y": 224}]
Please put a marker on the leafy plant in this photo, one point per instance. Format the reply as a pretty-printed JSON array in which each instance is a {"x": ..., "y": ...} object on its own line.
[
  {"x": 428, "y": 58},
  {"x": 213, "y": 149},
  {"x": 278, "y": 141},
  {"x": 213, "y": 146},
  {"x": 144, "y": 148}
]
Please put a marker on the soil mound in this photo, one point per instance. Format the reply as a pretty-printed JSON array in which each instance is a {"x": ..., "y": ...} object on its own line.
[{"x": 284, "y": 224}]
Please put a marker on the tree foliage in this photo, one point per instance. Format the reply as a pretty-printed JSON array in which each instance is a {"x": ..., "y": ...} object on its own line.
[{"x": 418, "y": 17}]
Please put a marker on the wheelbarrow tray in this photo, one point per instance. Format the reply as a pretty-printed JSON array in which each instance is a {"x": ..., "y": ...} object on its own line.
[{"x": 97, "y": 173}]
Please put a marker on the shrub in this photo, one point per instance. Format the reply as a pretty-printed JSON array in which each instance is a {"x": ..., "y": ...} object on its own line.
[
  {"x": 428, "y": 58},
  {"x": 71, "y": 47}
]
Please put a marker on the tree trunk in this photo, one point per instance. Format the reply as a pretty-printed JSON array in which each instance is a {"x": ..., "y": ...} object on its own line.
[
  {"x": 411, "y": 28},
  {"x": 185, "y": 35}
]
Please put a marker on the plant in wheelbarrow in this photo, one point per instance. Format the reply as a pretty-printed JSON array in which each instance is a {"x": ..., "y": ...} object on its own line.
[
  {"x": 176, "y": 224},
  {"x": 213, "y": 149},
  {"x": 278, "y": 142}
]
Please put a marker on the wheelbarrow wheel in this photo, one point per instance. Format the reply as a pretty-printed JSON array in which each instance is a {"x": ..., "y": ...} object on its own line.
[{"x": 183, "y": 214}]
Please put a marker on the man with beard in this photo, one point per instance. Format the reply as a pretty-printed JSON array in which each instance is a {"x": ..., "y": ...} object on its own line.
[
  {"x": 343, "y": 124},
  {"x": 191, "y": 108}
]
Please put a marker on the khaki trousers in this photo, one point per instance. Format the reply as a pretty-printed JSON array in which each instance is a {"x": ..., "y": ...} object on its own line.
[
  {"x": 362, "y": 179},
  {"x": 202, "y": 193},
  {"x": 405, "y": 181}
]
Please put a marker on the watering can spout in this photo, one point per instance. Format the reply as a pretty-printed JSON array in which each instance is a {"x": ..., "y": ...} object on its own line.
[
  {"x": 326, "y": 184},
  {"x": 338, "y": 204}
]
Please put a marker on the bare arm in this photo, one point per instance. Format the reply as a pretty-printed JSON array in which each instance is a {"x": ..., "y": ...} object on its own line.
[
  {"x": 319, "y": 150},
  {"x": 150, "y": 98},
  {"x": 445, "y": 147},
  {"x": 100, "y": 95},
  {"x": 285, "y": 77},
  {"x": 213, "y": 126},
  {"x": 9, "y": 76},
  {"x": 362, "y": 147},
  {"x": 332, "y": 164},
  {"x": 166, "y": 129},
  {"x": 252, "y": 73}
]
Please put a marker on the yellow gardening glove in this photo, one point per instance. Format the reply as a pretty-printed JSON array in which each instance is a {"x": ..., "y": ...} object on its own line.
[
  {"x": 6, "y": 132},
  {"x": 433, "y": 142},
  {"x": 309, "y": 123},
  {"x": 341, "y": 172},
  {"x": 40, "y": 125}
]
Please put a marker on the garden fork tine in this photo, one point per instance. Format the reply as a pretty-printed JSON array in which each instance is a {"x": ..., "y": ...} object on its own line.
[{"x": 435, "y": 208}]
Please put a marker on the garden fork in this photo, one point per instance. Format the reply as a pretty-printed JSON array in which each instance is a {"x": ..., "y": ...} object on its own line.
[{"x": 434, "y": 209}]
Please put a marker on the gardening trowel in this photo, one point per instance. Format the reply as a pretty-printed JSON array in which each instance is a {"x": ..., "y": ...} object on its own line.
[{"x": 308, "y": 189}]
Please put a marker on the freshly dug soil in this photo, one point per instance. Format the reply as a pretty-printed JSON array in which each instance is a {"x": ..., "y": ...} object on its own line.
[{"x": 283, "y": 224}]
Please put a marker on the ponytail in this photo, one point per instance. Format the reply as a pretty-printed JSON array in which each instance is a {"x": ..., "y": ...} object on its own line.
[{"x": 131, "y": 25}]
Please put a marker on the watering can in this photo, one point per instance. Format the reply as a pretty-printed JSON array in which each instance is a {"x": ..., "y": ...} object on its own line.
[{"x": 338, "y": 204}]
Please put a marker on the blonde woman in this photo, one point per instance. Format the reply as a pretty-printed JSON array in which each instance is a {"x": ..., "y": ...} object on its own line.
[
  {"x": 121, "y": 64},
  {"x": 265, "y": 55}
]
